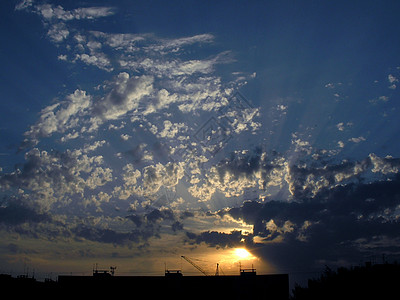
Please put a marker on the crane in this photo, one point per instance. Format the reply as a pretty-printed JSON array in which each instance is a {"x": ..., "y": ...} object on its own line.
[{"x": 194, "y": 265}]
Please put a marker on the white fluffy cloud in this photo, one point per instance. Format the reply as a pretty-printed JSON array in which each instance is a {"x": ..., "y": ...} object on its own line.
[
  {"x": 384, "y": 165},
  {"x": 24, "y": 4},
  {"x": 392, "y": 80},
  {"x": 342, "y": 126},
  {"x": 50, "y": 178},
  {"x": 151, "y": 83},
  {"x": 98, "y": 60},
  {"x": 267, "y": 176},
  {"x": 357, "y": 139},
  {"x": 148, "y": 182},
  {"x": 52, "y": 12},
  {"x": 172, "y": 129},
  {"x": 125, "y": 96},
  {"x": 61, "y": 116}
]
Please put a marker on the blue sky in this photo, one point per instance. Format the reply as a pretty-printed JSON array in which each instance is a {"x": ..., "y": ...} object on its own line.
[{"x": 135, "y": 132}]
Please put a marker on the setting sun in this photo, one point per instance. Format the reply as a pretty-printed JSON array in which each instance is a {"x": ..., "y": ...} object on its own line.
[{"x": 242, "y": 253}]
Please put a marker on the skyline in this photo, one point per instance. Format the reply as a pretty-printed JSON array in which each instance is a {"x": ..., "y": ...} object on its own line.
[{"x": 133, "y": 133}]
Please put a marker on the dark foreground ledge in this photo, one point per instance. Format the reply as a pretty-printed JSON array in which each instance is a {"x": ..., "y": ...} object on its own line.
[{"x": 151, "y": 287}]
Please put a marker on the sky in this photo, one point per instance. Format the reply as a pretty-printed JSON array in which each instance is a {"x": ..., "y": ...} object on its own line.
[{"x": 135, "y": 132}]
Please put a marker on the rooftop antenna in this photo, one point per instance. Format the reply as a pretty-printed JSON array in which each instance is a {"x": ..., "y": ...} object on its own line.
[
  {"x": 112, "y": 270},
  {"x": 217, "y": 270}
]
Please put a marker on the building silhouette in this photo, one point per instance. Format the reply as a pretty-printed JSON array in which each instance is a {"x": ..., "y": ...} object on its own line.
[{"x": 173, "y": 285}]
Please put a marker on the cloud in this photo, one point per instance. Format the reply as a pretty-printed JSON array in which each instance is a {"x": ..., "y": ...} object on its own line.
[
  {"x": 392, "y": 80},
  {"x": 98, "y": 177},
  {"x": 51, "y": 12},
  {"x": 357, "y": 139},
  {"x": 24, "y": 4},
  {"x": 138, "y": 154},
  {"x": 217, "y": 239},
  {"x": 61, "y": 116},
  {"x": 125, "y": 95},
  {"x": 330, "y": 85},
  {"x": 51, "y": 178},
  {"x": 125, "y": 42},
  {"x": 58, "y": 32},
  {"x": 158, "y": 175},
  {"x": 385, "y": 165},
  {"x": 15, "y": 212},
  {"x": 301, "y": 145},
  {"x": 123, "y": 187},
  {"x": 244, "y": 120},
  {"x": 173, "y": 67},
  {"x": 172, "y": 129},
  {"x": 70, "y": 136},
  {"x": 324, "y": 229},
  {"x": 269, "y": 175},
  {"x": 152, "y": 220},
  {"x": 150, "y": 54},
  {"x": 73, "y": 191},
  {"x": 168, "y": 78},
  {"x": 243, "y": 170},
  {"x": 57, "y": 19},
  {"x": 79, "y": 110},
  {"x": 179, "y": 42},
  {"x": 149, "y": 43},
  {"x": 99, "y": 60},
  {"x": 93, "y": 12},
  {"x": 92, "y": 147},
  {"x": 147, "y": 183},
  {"x": 125, "y": 137},
  {"x": 341, "y": 126},
  {"x": 106, "y": 235}
]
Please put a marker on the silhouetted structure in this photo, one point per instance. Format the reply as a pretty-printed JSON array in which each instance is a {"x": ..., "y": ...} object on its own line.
[
  {"x": 247, "y": 285},
  {"x": 174, "y": 285},
  {"x": 23, "y": 286},
  {"x": 378, "y": 281}
]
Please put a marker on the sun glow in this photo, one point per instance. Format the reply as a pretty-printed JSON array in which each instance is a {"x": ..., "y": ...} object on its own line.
[{"x": 242, "y": 253}]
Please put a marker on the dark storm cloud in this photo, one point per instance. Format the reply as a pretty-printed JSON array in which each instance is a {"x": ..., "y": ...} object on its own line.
[
  {"x": 147, "y": 226},
  {"x": 55, "y": 167},
  {"x": 216, "y": 239},
  {"x": 15, "y": 213},
  {"x": 348, "y": 223},
  {"x": 176, "y": 226},
  {"x": 158, "y": 215},
  {"x": 241, "y": 165},
  {"x": 186, "y": 214},
  {"x": 152, "y": 217},
  {"x": 105, "y": 235},
  {"x": 306, "y": 177},
  {"x": 136, "y": 219},
  {"x": 14, "y": 248},
  {"x": 247, "y": 163}
]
